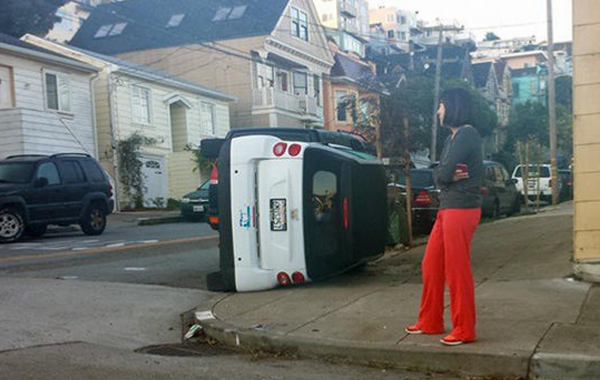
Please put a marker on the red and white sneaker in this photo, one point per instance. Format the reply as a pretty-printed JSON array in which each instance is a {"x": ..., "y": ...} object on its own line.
[
  {"x": 413, "y": 330},
  {"x": 451, "y": 341}
]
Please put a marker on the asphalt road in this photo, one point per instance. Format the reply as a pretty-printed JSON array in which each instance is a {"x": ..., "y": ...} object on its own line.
[{"x": 175, "y": 255}]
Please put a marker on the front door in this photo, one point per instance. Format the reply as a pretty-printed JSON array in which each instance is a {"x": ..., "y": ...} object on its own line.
[
  {"x": 6, "y": 88},
  {"x": 155, "y": 181}
]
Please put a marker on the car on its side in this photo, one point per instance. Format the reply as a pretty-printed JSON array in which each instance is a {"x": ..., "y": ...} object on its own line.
[
  {"x": 194, "y": 205},
  {"x": 499, "y": 192},
  {"x": 62, "y": 189}
]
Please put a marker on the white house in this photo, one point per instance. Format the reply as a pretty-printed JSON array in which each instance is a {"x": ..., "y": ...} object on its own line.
[
  {"x": 177, "y": 113},
  {"x": 46, "y": 101}
]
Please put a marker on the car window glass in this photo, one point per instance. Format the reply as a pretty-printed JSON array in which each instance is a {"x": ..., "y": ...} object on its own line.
[
  {"x": 72, "y": 172},
  {"x": 325, "y": 209},
  {"x": 505, "y": 173},
  {"x": 49, "y": 171},
  {"x": 499, "y": 174},
  {"x": 92, "y": 171}
]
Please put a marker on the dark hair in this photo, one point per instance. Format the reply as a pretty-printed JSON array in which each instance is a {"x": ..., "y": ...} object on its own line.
[{"x": 457, "y": 102}]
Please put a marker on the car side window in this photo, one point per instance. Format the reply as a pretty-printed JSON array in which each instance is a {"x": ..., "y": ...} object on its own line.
[
  {"x": 499, "y": 175},
  {"x": 92, "y": 171},
  {"x": 72, "y": 172},
  {"x": 49, "y": 171}
]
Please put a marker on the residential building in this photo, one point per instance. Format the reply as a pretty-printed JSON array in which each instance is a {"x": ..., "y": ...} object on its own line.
[
  {"x": 348, "y": 42},
  {"x": 349, "y": 15},
  {"x": 525, "y": 59},
  {"x": 496, "y": 48},
  {"x": 46, "y": 102},
  {"x": 453, "y": 32},
  {"x": 73, "y": 14},
  {"x": 529, "y": 84},
  {"x": 400, "y": 26},
  {"x": 174, "y": 112},
  {"x": 352, "y": 84},
  {"x": 586, "y": 139},
  {"x": 271, "y": 58}
]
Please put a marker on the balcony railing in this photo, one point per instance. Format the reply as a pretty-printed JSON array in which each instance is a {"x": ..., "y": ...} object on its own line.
[{"x": 303, "y": 105}]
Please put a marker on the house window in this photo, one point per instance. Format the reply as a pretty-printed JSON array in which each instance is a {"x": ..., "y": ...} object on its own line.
[
  {"x": 103, "y": 31},
  {"x": 300, "y": 84},
  {"x": 282, "y": 81},
  {"x": 390, "y": 17},
  {"x": 117, "y": 29},
  {"x": 237, "y": 12},
  {"x": 227, "y": 13},
  {"x": 402, "y": 20},
  {"x": 110, "y": 30},
  {"x": 390, "y": 34},
  {"x": 221, "y": 14},
  {"x": 299, "y": 24},
  {"x": 58, "y": 92},
  {"x": 208, "y": 118},
  {"x": 317, "y": 88},
  {"x": 264, "y": 75},
  {"x": 175, "y": 20},
  {"x": 141, "y": 105},
  {"x": 340, "y": 105}
]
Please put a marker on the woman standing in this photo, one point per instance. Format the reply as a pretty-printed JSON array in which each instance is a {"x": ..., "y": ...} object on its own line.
[{"x": 459, "y": 176}]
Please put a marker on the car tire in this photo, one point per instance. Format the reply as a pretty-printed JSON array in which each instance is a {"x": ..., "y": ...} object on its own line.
[
  {"x": 94, "y": 219},
  {"x": 36, "y": 231},
  {"x": 12, "y": 225}
]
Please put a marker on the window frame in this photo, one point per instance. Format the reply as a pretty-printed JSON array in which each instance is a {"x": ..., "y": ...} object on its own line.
[
  {"x": 298, "y": 25},
  {"x": 37, "y": 171},
  {"x": 59, "y": 77},
  {"x": 212, "y": 129},
  {"x": 339, "y": 100},
  {"x": 136, "y": 118}
]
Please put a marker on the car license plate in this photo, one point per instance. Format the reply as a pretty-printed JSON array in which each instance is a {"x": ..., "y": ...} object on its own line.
[
  {"x": 198, "y": 208},
  {"x": 278, "y": 214}
]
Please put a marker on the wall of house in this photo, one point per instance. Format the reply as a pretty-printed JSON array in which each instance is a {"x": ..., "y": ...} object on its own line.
[
  {"x": 182, "y": 175},
  {"x": 523, "y": 62},
  {"x": 39, "y": 130},
  {"x": 229, "y": 74},
  {"x": 330, "y": 106},
  {"x": 586, "y": 138}
]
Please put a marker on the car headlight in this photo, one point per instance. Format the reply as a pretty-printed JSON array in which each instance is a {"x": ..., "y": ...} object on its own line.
[{"x": 185, "y": 200}]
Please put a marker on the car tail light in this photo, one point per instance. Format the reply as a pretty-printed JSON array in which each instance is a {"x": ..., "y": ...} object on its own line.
[
  {"x": 423, "y": 198},
  {"x": 550, "y": 183},
  {"x": 484, "y": 191},
  {"x": 570, "y": 182},
  {"x": 213, "y": 219},
  {"x": 214, "y": 175},
  {"x": 294, "y": 150},
  {"x": 298, "y": 278},
  {"x": 346, "y": 218},
  {"x": 279, "y": 149},
  {"x": 283, "y": 279},
  {"x": 110, "y": 191}
]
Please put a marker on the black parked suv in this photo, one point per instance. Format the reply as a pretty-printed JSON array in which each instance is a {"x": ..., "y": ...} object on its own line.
[{"x": 62, "y": 189}]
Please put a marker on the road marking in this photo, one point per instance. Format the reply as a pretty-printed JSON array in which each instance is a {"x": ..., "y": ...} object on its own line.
[
  {"x": 114, "y": 245},
  {"x": 134, "y": 269},
  {"x": 68, "y": 277},
  {"x": 148, "y": 241},
  {"x": 104, "y": 249}
]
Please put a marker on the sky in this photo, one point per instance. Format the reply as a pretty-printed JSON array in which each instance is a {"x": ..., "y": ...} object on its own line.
[{"x": 499, "y": 16}]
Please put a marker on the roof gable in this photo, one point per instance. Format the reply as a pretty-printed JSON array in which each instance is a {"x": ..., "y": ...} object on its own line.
[
  {"x": 481, "y": 73},
  {"x": 152, "y": 24}
]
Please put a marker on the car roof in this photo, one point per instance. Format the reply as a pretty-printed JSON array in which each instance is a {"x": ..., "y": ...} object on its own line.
[{"x": 38, "y": 157}]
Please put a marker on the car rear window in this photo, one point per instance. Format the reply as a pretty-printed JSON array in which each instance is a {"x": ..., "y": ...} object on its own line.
[
  {"x": 419, "y": 178},
  {"x": 92, "y": 171},
  {"x": 533, "y": 172}
]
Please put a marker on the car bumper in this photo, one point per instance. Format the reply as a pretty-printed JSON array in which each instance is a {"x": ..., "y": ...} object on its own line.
[{"x": 194, "y": 209}]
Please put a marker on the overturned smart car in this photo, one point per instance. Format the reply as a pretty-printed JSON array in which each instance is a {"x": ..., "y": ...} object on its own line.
[{"x": 291, "y": 211}]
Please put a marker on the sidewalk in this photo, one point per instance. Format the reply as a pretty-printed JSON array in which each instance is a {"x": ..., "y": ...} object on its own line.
[
  {"x": 145, "y": 218},
  {"x": 534, "y": 320}
]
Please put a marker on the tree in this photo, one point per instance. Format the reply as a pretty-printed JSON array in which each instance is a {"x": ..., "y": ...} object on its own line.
[
  {"x": 18, "y": 17},
  {"x": 564, "y": 91},
  {"x": 491, "y": 36},
  {"x": 526, "y": 121}
]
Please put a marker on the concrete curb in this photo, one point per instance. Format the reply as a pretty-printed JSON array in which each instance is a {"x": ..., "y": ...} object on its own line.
[{"x": 437, "y": 359}]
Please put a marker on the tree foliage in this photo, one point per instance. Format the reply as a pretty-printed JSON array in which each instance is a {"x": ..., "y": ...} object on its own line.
[{"x": 18, "y": 17}]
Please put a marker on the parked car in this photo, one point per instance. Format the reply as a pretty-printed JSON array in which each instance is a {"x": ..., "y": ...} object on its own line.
[
  {"x": 566, "y": 178},
  {"x": 500, "y": 195},
  {"x": 63, "y": 189},
  {"x": 195, "y": 204},
  {"x": 545, "y": 183},
  {"x": 425, "y": 198},
  {"x": 210, "y": 149}
]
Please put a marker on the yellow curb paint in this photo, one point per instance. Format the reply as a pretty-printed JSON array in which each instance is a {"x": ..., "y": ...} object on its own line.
[{"x": 104, "y": 249}]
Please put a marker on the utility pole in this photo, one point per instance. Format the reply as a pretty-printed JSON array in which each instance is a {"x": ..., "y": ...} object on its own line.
[
  {"x": 551, "y": 104},
  {"x": 407, "y": 160},
  {"x": 436, "y": 96}
]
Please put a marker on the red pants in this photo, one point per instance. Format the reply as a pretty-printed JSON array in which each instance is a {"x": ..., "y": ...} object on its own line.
[{"x": 448, "y": 260}]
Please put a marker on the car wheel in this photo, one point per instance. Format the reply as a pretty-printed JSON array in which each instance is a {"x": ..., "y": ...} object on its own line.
[
  {"x": 36, "y": 231},
  {"x": 11, "y": 225},
  {"x": 94, "y": 220}
]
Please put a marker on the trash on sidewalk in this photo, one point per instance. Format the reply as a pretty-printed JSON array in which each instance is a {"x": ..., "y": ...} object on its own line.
[
  {"x": 193, "y": 331},
  {"x": 204, "y": 315}
]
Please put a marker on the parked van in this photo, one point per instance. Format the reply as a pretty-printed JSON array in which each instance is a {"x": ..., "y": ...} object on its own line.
[
  {"x": 291, "y": 212},
  {"x": 545, "y": 183}
]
